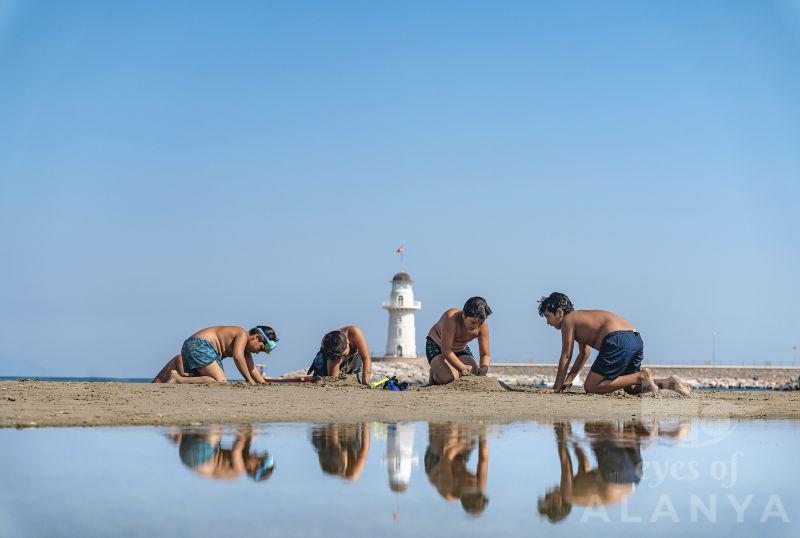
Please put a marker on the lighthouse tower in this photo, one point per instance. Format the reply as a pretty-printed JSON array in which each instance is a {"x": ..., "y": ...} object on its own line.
[{"x": 401, "y": 341}]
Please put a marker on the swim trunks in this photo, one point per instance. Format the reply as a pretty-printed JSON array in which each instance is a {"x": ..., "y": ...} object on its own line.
[
  {"x": 351, "y": 365},
  {"x": 197, "y": 352},
  {"x": 618, "y": 464},
  {"x": 432, "y": 349},
  {"x": 194, "y": 450},
  {"x": 620, "y": 354}
]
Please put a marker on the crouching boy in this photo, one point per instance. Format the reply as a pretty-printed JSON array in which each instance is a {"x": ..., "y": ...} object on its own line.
[
  {"x": 200, "y": 359},
  {"x": 620, "y": 346},
  {"x": 446, "y": 346},
  {"x": 343, "y": 351}
]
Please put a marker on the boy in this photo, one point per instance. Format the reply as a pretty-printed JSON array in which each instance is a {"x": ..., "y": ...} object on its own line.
[
  {"x": 620, "y": 347},
  {"x": 446, "y": 346},
  {"x": 200, "y": 360},
  {"x": 346, "y": 351}
]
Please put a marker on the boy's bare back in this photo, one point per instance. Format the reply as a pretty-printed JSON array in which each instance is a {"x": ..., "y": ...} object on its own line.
[
  {"x": 592, "y": 326},
  {"x": 221, "y": 337}
]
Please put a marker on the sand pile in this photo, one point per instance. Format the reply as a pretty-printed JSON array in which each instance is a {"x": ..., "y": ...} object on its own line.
[
  {"x": 343, "y": 382},
  {"x": 473, "y": 383}
]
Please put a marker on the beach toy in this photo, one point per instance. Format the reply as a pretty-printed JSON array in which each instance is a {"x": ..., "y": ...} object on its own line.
[
  {"x": 376, "y": 384},
  {"x": 301, "y": 379}
]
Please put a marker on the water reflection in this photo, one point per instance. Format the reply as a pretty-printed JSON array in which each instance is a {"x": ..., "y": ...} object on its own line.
[
  {"x": 449, "y": 449},
  {"x": 617, "y": 449},
  {"x": 400, "y": 457},
  {"x": 205, "y": 451},
  {"x": 605, "y": 478},
  {"x": 342, "y": 449},
  {"x": 600, "y": 462}
]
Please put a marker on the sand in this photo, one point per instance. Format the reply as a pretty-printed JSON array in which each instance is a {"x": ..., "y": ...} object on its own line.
[{"x": 41, "y": 403}]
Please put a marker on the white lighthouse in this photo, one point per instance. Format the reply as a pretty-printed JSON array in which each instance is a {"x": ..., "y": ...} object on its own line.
[{"x": 401, "y": 340}]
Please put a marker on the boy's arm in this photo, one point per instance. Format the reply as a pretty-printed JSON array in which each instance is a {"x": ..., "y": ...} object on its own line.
[
  {"x": 239, "y": 344},
  {"x": 580, "y": 361},
  {"x": 483, "y": 348},
  {"x": 363, "y": 451},
  {"x": 567, "y": 343},
  {"x": 363, "y": 350},
  {"x": 482, "y": 470},
  {"x": 448, "y": 333},
  {"x": 252, "y": 368},
  {"x": 333, "y": 367}
]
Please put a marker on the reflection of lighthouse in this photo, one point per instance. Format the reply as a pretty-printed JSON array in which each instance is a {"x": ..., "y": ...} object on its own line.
[
  {"x": 401, "y": 305},
  {"x": 399, "y": 455}
]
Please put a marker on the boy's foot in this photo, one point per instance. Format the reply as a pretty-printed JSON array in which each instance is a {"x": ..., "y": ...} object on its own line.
[
  {"x": 173, "y": 377},
  {"x": 676, "y": 383},
  {"x": 648, "y": 384}
]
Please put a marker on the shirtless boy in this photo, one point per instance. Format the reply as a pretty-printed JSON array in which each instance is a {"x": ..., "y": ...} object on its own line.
[
  {"x": 343, "y": 351},
  {"x": 446, "y": 346},
  {"x": 618, "y": 363},
  {"x": 200, "y": 360}
]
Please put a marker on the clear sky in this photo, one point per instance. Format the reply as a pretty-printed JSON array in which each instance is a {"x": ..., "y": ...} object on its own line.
[{"x": 166, "y": 166}]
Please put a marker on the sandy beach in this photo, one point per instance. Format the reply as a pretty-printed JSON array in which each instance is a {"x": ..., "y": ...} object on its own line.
[{"x": 38, "y": 404}]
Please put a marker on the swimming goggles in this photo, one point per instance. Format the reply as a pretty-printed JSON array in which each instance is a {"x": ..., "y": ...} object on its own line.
[
  {"x": 269, "y": 345},
  {"x": 266, "y": 466}
]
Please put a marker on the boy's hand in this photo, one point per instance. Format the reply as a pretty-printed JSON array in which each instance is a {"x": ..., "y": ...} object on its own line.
[
  {"x": 467, "y": 370},
  {"x": 483, "y": 370}
]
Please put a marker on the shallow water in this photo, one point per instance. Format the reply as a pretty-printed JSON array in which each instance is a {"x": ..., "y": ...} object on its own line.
[{"x": 405, "y": 479}]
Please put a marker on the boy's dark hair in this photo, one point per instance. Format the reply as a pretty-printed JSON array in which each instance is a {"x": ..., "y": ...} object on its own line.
[
  {"x": 269, "y": 331},
  {"x": 553, "y": 302},
  {"x": 474, "y": 502},
  {"x": 333, "y": 344},
  {"x": 476, "y": 307}
]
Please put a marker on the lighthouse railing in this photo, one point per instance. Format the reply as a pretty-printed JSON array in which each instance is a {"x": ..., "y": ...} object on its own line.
[{"x": 415, "y": 305}]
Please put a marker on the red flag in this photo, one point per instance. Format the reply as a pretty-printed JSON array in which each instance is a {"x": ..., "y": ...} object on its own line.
[{"x": 400, "y": 250}]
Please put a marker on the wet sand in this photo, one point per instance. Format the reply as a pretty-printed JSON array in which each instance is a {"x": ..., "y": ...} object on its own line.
[{"x": 40, "y": 403}]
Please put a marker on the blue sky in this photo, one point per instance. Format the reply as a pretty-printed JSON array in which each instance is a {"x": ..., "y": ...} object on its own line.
[{"x": 166, "y": 166}]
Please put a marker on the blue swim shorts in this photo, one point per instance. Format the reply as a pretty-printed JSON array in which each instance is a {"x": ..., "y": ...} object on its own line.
[
  {"x": 194, "y": 450},
  {"x": 621, "y": 354},
  {"x": 197, "y": 352}
]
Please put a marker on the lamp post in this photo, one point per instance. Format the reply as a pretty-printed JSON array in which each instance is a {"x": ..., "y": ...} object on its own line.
[
  {"x": 713, "y": 349},
  {"x": 794, "y": 355}
]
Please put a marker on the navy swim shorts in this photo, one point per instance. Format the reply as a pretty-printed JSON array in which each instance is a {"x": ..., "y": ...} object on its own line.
[
  {"x": 432, "y": 349},
  {"x": 621, "y": 354}
]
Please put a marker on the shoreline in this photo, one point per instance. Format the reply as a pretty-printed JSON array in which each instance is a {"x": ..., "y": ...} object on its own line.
[
  {"x": 518, "y": 375},
  {"x": 45, "y": 404}
]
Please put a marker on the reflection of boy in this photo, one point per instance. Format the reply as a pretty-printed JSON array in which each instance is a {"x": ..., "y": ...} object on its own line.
[
  {"x": 449, "y": 449},
  {"x": 200, "y": 360},
  {"x": 621, "y": 350},
  {"x": 202, "y": 452},
  {"x": 344, "y": 351},
  {"x": 619, "y": 469},
  {"x": 446, "y": 346},
  {"x": 342, "y": 449}
]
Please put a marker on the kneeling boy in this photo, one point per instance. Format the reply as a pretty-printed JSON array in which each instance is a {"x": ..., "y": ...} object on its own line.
[
  {"x": 446, "y": 346},
  {"x": 618, "y": 363},
  {"x": 343, "y": 351},
  {"x": 200, "y": 360}
]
